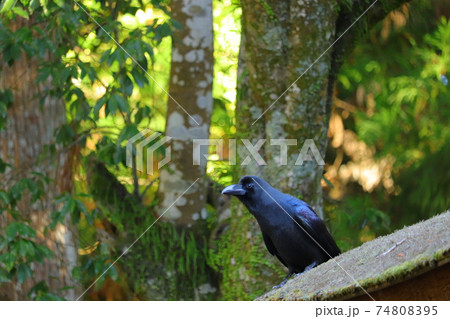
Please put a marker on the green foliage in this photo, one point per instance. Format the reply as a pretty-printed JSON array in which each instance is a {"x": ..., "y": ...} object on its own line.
[
  {"x": 84, "y": 57},
  {"x": 106, "y": 92},
  {"x": 19, "y": 246},
  {"x": 74, "y": 207},
  {"x": 423, "y": 188},
  {"x": 409, "y": 116},
  {"x": 41, "y": 292},
  {"x": 226, "y": 44},
  {"x": 356, "y": 221}
]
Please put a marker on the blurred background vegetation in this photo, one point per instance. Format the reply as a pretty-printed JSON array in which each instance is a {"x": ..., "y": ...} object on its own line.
[{"x": 387, "y": 162}]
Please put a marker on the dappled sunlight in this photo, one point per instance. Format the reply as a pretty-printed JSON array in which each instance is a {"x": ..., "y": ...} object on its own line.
[{"x": 362, "y": 166}]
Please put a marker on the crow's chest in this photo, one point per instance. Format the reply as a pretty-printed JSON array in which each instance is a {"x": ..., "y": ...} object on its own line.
[{"x": 290, "y": 240}]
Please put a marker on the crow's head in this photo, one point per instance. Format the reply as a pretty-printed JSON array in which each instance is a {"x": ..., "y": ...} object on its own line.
[{"x": 250, "y": 190}]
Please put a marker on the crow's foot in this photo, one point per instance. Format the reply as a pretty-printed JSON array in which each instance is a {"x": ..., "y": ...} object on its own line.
[
  {"x": 309, "y": 267},
  {"x": 283, "y": 282}
]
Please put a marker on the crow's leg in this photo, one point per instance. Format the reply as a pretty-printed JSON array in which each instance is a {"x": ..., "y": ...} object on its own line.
[
  {"x": 291, "y": 272},
  {"x": 284, "y": 280},
  {"x": 309, "y": 267}
]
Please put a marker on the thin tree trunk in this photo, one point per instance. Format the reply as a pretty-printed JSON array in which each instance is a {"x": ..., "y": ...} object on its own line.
[{"x": 189, "y": 112}]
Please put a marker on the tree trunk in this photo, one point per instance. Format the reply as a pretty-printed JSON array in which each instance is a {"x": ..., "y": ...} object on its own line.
[
  {"x": 282, "y": 40},
  {"x": 30, "y": 127},
  {"x": 188, "y": 113}
]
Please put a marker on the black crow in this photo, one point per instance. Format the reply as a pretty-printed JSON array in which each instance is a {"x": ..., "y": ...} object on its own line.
[{"x": 291, "y": 229}]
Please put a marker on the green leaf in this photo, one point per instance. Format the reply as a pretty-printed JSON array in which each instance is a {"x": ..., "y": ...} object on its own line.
[
  {"x": 7, "y": 97},
  {"x": 7, "y": 5},
  {"x": 11, "y": 52},
  {"x": 67, "y": 207},
  {"x": 34, "y": 4},
  {"x": 23, "y": 272},
  {"x": 98, "y": 106},
  {"x": 89, "y": 218},
  {"x": 142, "y": 113},
  {"x": 24, "y": 248},
  {"x": 4, "y": 198},
  {"x": 111, "y": 106},
  {"x": 17, "y": 189},
  {"x": 128, "y": 131},
  {"x": 116, "y": 55},
  {"x": 105, "y": 55},
  {"x": 25, "y": 230},
  {"x": 80, "y": 208},
  {"x": 39, "y": 287},
  {"x": 43, "y": 74},
  {"x": 139, "y": 77},
  {"x": 66, "y": 74},
  {"x": 162, "y": 31},
  {"x": 20, "y": 247},
  {"x": 128, "y": 86},
  {"x": 3, "y": 243},
  {"x": 8, "y": 260},
  {"x": 65, "y": 134},
  {"x": 56, "y": 217},
  {"x": 119, "y": 155},
  {"x": 48, "y": 296},
  {"x": 30, "y": 249},
  {"x": 42, "y": 252},
  {"x": 11, "y": 231},
  {"x": 21, "y": 12},
  {"x": 121, "y": 102},
  {"x": 4, "y": 275},
  {"x": 76, "y": 273},
  {"x": 75, "y": 215}
]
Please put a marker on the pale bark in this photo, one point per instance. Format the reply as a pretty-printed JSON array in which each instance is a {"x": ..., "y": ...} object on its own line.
[
  {"x": 30, "y": 127},
  {"x": 188, "y": 113}
]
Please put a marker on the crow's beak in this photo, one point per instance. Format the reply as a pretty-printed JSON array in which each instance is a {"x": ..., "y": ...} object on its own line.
[{"x": 235, "y": 190}]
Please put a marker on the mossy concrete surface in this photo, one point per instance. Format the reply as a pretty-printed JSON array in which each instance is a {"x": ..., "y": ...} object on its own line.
[{"x": 377, "y": 264}]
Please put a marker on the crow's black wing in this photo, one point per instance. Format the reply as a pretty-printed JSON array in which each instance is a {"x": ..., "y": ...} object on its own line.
[
  {"x": 271, "y": 248},
  {"x": 306, "y": 217}
]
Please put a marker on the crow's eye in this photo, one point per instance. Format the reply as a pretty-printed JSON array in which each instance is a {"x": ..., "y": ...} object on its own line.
[{"x": 250, "y": 186}]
